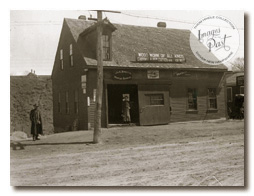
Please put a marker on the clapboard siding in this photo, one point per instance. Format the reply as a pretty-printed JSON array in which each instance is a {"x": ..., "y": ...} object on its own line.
[{"x": 201, "y": 82}]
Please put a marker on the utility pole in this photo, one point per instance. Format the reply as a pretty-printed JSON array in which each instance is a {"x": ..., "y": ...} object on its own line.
[{"x": 99, "y": 91}]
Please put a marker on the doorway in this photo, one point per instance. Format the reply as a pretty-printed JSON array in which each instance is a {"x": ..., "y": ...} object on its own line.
[{"x": 116, "y": 93}]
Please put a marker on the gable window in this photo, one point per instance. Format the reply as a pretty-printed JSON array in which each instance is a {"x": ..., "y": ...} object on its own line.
[
  {"x": 192, "y": 99},
  {"x": 212, "y": 98},
  {"x": 75, "y": 101},
  {"x": 106, "y": 47},
  {"x": 61, "y": 59},
  {"x": 229, "y": 94},
  {"x": 67, "y": 108},
  {"x": 71, "y": 55}
]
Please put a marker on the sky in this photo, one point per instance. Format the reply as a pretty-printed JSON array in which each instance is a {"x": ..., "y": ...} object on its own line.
[{"x": 34, "y": 34}]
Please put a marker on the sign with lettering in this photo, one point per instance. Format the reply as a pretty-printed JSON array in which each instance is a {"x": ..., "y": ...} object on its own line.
[
  {"x": 181, "y": 74},
  {"x": 153, "y": 74},
  {"x": 122, "y": 75},
  {"x": 160, "y": 58}
]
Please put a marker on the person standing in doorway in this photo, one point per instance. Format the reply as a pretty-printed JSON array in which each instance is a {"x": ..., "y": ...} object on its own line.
[
  {"x": 36, "y": 123},
  {"x": 126, "y": 110}
]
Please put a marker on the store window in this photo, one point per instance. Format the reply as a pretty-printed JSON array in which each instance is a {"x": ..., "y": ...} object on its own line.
[
  {"x": 155, "y": 99},
  {"x": 212, "y": 98},
  {"x": 192, "y": 99}
]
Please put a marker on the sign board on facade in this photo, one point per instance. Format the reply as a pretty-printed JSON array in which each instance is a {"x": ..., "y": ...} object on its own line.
[
  {"x": 181, "y": 74},
  {"x": 153, "y": 74},
  {"x": 160, "y": 58},
  {"x": 122, "y": 75}
]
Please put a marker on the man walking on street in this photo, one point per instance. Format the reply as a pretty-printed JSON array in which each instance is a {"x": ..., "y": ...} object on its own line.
[{"x": 36, "y": 127}]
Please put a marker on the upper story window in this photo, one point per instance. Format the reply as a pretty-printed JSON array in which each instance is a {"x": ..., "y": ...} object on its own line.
[
  {"x": 212, "y": 98},
  {"x": 106, "y": 47},
  {"x": 192, "y": 99},
  {"x": 71, "y": 55},
  {"x": 61, "y": 59}
]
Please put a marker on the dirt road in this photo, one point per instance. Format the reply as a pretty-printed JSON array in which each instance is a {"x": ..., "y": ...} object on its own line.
[{"x": 188, "y": 154}]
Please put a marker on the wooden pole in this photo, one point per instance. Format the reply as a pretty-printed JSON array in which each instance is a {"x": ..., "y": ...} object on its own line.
[{"x": 99, "y": 91}]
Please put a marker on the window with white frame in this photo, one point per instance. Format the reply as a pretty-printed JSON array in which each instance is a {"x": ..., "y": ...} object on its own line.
[
  {"x": 71, "y": 56},
  {"x": 212, "y": 98},
  {"x": 192, "y": 99},
  {"x": 61, "y": 59}
]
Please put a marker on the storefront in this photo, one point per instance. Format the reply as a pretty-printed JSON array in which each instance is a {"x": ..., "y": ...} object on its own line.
[{"x": 154, "y": 68}]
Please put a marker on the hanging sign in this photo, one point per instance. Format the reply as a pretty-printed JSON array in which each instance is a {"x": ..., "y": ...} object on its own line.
[
  {"x": 122, "y": 75},
  {"x": 160, "y": 58}
]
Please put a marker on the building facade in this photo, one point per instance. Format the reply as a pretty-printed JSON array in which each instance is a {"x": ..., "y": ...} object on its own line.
[
  {"x": 154, "y": 67},
  {"x": 235, "y": 94}
]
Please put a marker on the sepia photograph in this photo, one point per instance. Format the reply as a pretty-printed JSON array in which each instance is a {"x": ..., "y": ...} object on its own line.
[{"x": 127, "y": 98}]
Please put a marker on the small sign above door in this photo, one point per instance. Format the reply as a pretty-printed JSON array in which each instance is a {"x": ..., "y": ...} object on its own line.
[
  {"x": 122, "y": 75},
  {"x": 153, "y": 74}
]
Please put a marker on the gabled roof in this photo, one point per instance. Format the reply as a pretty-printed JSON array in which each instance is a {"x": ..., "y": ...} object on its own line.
[
  {"x": 128, "y": 40},
  {"x": 105, "y": 23}
]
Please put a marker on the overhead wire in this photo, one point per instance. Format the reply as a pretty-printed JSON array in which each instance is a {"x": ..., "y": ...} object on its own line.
[{"x": 166, "y": 19}]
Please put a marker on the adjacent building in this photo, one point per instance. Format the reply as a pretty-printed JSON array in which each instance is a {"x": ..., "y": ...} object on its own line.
[
  {"x": 235, "y": 93},
  {"x": 153, "y": 66}
]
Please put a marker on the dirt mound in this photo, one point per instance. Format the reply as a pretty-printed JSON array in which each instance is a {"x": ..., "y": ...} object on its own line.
[
  {"x": 26, "y": 91},
  {"x": 18, "y": 135}
]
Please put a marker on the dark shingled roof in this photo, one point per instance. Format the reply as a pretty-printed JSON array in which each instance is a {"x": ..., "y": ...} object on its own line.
[{"x": 127, "y": 40}]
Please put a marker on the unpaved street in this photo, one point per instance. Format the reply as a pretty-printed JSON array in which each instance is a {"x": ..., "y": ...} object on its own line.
[{"x": 187, "y": 154}]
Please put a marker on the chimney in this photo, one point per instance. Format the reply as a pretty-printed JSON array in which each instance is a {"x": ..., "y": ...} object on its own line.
[
  {"x": 82, "y": 17},
  {"x": 161, "y": 24}
]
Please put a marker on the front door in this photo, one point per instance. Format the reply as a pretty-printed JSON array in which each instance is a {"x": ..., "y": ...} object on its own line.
[
  {"x": 116, "y": 93},
  {"x": 154, "y": 105}
]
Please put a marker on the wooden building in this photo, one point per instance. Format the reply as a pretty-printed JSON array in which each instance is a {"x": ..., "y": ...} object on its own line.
[
  {"x": 153, "y": 66},
  {"x": 235, "y": 93}
]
